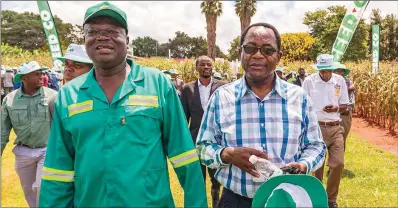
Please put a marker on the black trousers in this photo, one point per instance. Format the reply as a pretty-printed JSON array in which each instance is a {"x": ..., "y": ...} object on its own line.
[
  {"x": 215, "y": 185},
  {"x": 231, "y": 200}
]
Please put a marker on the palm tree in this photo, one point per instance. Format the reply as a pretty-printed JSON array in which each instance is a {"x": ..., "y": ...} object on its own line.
[
  {"x": 245, "y": 9},
  {"x": 212, "y": 9}
]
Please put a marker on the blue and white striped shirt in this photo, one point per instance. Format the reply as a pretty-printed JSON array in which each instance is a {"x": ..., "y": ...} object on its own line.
[{"x": 283, "y": 123}]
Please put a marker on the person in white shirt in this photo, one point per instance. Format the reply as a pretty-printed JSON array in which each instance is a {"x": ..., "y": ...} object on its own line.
[
  {"x": 329, "y": 94},
  {"x": 8, "y": 81}
]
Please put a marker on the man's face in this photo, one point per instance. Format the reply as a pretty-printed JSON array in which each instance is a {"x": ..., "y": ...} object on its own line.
[
  {"x": 339, "y": 72},
  {"x": 301, "y": 71},
  {"x": 33, "y": 79},
  {"x": 204, "y": 67},
  {"x": 74, "y": 69},
  {"x": 106, "y": 42},
  {"x": 260, "y": 65},
  {"x": 326, "y": 74},
  {"x": 279, "y": 73}
]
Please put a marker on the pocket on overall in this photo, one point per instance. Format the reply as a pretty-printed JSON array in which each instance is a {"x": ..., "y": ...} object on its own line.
[
  {"x": 158, "y": 192},
  {"x": 143, "y": 123}
]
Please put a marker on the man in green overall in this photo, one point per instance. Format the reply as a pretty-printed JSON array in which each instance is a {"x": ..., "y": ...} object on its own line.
[{"x": 114, "y": 128}]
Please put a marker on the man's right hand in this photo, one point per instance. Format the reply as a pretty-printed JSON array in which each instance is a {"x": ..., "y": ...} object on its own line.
[{"x": 239, "y": 156}]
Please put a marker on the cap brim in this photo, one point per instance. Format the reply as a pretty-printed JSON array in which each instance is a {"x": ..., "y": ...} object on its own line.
[
  {"x": 75, "y": 58},
  {"x": 319, "y": 68},
  {"x": 109, "y": 13},
  {"x": 346, "y": 72},
  {"x": 312, "y": 185},
  {"x": 17, "y": 77}
]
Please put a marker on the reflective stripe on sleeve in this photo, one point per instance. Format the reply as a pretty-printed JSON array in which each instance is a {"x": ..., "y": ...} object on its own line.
[
  {"x": 184, "y": 158},
  {"x": 57, "y": 175}
]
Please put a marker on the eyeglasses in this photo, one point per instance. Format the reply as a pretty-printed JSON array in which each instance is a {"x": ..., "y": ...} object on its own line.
[
  {"x": 265, "y": 50},
  {"x": 107, "y": 33},
  {"x": 75, "y": 65}
]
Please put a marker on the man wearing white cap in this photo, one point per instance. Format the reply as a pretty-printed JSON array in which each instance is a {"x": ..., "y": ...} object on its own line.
[
  {"x": 8, "y": 81},
  {"x": 279, "y": 71},
  {"x": 76, "y": 63},
  {"x": 329, "y": 94},
  {"x": 26, "y": 111}
]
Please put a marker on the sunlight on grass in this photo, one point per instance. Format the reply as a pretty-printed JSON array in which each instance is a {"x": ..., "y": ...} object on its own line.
[{"x": 370, "y": 178}]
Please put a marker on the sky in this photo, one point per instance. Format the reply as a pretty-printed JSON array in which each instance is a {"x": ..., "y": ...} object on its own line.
[{"x": 161, "y": 19}]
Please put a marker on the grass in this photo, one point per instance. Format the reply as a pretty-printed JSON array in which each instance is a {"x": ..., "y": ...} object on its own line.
[{"x": 370, "y": 178}]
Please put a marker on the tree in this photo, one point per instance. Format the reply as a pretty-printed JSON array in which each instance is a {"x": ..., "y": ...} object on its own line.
[
  {"x": 388, "y": 34},
  {"x": 25, "y": 31},
  {"x": 324, "y": 26},
  {"x": 180, "y": 45},
  {"x": 145, "y": 46},
  {"x": 212, "y": 10},
  {"x": 233, "y": 51},
  {"x": 390, "y": 39},
  {"x": 163, "y": 49},
  {"x": 297, "y": 46},
  {"x": 245, "y": 9}
]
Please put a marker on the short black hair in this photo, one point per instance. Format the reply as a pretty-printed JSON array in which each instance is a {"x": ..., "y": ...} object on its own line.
[
  {"x": 199, "y": 58},
  {"x": 266, "y": 25}
]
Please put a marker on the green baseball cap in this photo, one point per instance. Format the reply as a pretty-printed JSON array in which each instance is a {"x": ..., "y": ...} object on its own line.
[
  {"x": 26, "y": 68},
  {"x": 291, "y": 191},
  {"x": 339, "y": 65},
  {"x": 107, "y": 9}
]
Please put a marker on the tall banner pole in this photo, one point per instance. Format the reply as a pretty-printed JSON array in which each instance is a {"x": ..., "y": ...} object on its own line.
[
  {"x": 375, "y": 48},
  {"x": 347, "y": 29},
  {"x": 51, "y": 33}
]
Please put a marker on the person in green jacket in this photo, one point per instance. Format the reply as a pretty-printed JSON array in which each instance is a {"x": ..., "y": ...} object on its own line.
[{"x": 114, "y": 128}]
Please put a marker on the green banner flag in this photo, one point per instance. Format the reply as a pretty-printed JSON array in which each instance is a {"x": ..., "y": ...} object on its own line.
[
  {"x": 51, "y": 32},
  {"x": 347, "y": 29},
  {"x": 375, "y": 48}
]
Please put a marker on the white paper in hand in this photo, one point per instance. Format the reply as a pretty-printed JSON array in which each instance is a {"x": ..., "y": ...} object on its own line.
[{"x": 265, "y": 168}]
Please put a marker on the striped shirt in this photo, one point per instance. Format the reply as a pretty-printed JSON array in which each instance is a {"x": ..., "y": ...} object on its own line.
[{"x": 283, "y": 123}]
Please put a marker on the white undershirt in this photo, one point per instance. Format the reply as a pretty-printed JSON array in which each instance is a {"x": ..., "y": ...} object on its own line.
[{"x": 204, "y": 92}]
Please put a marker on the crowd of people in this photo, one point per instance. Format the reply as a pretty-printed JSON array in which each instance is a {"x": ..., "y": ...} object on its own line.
[{"x": 102, "y": 137}]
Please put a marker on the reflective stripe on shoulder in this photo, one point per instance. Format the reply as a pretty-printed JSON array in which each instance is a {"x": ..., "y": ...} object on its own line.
[
  {"x": 51, "y": 174},
  {"x": 144, "y": 100},
  {"x": 184, "y": 158},
  {"x": 80, "y": 107}
]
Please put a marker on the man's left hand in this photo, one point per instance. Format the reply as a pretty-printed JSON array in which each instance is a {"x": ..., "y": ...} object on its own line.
[
  {"x": 300, "y": 166},
  {"x": 331, "y": 109}
]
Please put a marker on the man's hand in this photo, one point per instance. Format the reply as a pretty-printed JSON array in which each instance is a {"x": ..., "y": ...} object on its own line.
[
  {"x": 331, "y": 109},
  {"x": 239, "y": 156},
  {"x": 300, "y": 166}
]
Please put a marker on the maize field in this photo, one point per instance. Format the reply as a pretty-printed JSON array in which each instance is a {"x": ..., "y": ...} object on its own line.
[{"x": 376, "y": 95}]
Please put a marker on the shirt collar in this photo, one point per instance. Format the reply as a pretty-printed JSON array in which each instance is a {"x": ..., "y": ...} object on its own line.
[
  {"x": 279, "y": 87},
  {"x": 200, "y": 84},
  {"x": 129, "y": 84},
  {"x": 20, "y": 93}
]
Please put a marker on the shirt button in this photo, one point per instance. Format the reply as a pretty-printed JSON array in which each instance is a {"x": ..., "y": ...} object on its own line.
[
  {"x": 261, "y": 104},
  {"x": 262, "y": 124}
]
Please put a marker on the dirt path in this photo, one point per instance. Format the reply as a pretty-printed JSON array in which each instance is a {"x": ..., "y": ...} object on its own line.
[{"x": 375, "y": 135}]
